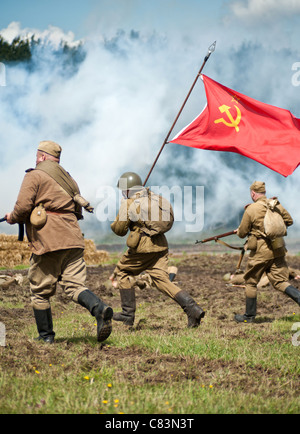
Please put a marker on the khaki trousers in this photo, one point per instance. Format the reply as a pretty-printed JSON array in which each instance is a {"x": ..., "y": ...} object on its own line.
[
  {"x": 156, "y": 265},
  {"x": 66, "y": 266},
  {"x": 276, "y": 270}
]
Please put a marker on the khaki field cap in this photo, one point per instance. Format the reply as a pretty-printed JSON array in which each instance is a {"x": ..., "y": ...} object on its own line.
[
  {"x": 50, "y": 148},
  {"x": 258, "y": 187}
]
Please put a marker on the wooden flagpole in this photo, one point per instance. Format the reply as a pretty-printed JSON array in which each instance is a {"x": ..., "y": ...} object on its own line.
[{"x": 211, "y": 49}]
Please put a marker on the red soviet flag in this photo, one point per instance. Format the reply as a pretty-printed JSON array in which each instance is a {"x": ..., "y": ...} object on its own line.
[{"x": 234, "y": 122}]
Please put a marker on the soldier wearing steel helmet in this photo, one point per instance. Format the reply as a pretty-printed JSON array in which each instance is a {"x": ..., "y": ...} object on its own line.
[
  {"x": 266, "y": 255},
  {"x": 148, "y": 251}
]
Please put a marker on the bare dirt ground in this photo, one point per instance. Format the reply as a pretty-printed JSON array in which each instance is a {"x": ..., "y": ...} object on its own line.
[{"x": 200, "y": 274}]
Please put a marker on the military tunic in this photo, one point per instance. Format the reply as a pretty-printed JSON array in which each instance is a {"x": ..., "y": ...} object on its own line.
[
  {"x": 57, "y": 248},
  {"x": 267, "y": 256},
  {"x": 151, "y": 252}
]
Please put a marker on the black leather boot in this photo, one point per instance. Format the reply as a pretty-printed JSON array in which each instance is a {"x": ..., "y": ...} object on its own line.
[
  {"x": 43, "y": 319},
  {"x": 190, "y": 307},
  {"x": 128, "y": 305},
  {"x": 100, "y": 311},
  {"x": 293, "y": 293},
  {"x": 250, "y": 314}
]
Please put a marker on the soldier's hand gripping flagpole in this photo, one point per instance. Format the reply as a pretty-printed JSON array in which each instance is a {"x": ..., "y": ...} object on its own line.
[{"x": 211, "y": 49}]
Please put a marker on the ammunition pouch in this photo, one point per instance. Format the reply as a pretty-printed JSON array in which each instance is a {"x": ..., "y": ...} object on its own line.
[
  {"x": 38, "y": 217},
  {"x": 252, "y": 242},
  {"x": 277, "y": 243}
]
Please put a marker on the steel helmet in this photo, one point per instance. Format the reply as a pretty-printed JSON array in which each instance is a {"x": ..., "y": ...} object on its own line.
[{"x": 130, "y": 181}]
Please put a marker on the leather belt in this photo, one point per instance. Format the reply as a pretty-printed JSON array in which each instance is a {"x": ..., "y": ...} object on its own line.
[{"x": 59, "y": 212}]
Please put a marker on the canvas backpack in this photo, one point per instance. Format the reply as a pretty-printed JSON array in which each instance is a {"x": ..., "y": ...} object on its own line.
[
  {"x": 161, "y": 215},
  {"x": 274, "y": 226},
  {"x": 153, "y": 212}
]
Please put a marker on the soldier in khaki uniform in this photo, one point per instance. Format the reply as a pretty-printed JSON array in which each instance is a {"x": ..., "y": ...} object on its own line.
[
  {"x": 56, "y": 241},
  {"x": 150, "y": 254},
  {"x": 265, "y": 255}
]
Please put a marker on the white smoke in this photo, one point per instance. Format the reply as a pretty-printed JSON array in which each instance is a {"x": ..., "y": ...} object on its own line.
[
  {"x": 264, "y": 10},
  {"x": 111, "y": 111}
]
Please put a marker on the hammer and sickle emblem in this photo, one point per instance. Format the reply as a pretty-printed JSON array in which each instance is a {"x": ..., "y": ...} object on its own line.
[{"x": 233, "y": 122}]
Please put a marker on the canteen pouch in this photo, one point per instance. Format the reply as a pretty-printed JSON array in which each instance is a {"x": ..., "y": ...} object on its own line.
[
  {"x": 134, "y": 238},
  {"x": 38, "y": 217}
]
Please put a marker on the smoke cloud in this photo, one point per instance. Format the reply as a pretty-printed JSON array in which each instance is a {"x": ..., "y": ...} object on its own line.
[
  {"x": 111, "y": 102},
  {"x": 266, "y": 10}
]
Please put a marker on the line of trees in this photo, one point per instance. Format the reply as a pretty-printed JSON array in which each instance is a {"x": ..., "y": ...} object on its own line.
[
  {"x": 20, "y": 50},
  {"x": 17, "y": 51}
]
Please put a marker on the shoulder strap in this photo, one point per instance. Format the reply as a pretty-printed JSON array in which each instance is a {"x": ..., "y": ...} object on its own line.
[
  {"x": 64, "y": 179},
  {"x": 60, "y": 175}
]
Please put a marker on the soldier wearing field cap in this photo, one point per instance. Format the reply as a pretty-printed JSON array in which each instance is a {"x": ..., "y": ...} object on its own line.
[
  {"x": 50, "y": 204},
  {"x": 266, "y": 255},
  {"x": 51, "y": 148}
]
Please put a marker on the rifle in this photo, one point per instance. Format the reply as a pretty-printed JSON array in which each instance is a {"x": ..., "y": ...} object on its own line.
[
  {"x": 226, "y": 234},
  {"x": 21, "y": 229},
  {"x": 216, "y": 237}
]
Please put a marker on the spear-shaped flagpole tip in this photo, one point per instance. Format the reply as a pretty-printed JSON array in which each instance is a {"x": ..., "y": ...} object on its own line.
[{"x": 211, "y": 49}]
